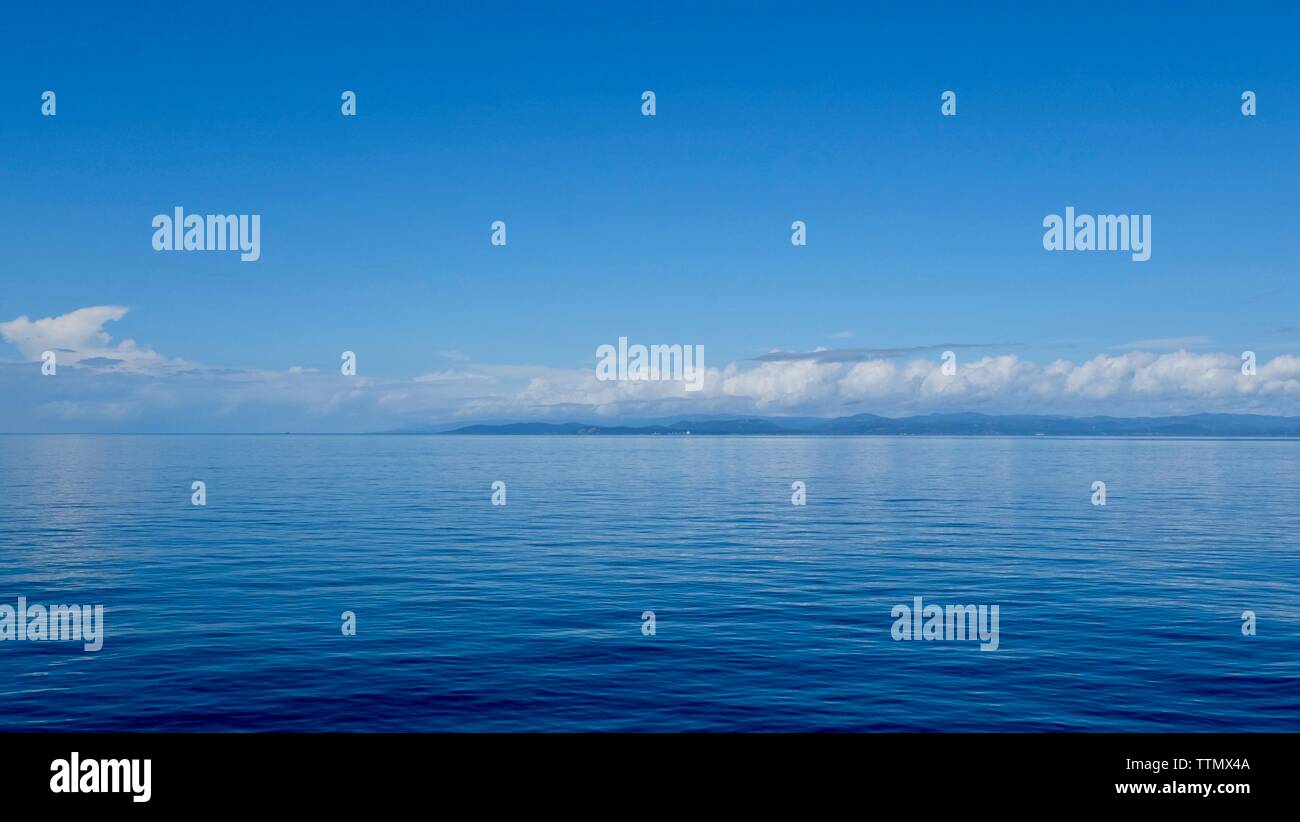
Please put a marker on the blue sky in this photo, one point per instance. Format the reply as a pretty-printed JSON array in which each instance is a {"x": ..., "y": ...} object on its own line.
[{"x": 924, "y": 231}]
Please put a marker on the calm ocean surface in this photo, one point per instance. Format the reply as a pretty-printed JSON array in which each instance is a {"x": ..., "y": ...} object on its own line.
[{"x": 769, "y": 616}]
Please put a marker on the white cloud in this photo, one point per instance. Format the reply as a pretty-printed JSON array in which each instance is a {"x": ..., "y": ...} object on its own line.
[
  {"x": 77, "y": 330},
  {"x": 155, "y": 391},
  {"x": 80, "y": 336}
]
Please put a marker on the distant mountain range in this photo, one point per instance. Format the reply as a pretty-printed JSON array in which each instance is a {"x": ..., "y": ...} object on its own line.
[{"x": 1025, "y": 425}]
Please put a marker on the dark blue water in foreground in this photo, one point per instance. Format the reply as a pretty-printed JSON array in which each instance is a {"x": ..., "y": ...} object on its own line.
[{"x": 769, "y": 616}]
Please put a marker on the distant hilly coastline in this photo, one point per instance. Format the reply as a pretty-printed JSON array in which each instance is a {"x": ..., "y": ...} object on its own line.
[{"x": 1025, "y": 425}]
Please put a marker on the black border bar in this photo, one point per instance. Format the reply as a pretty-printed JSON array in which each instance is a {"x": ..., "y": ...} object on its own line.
[{"x": 568, "y": 771}]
